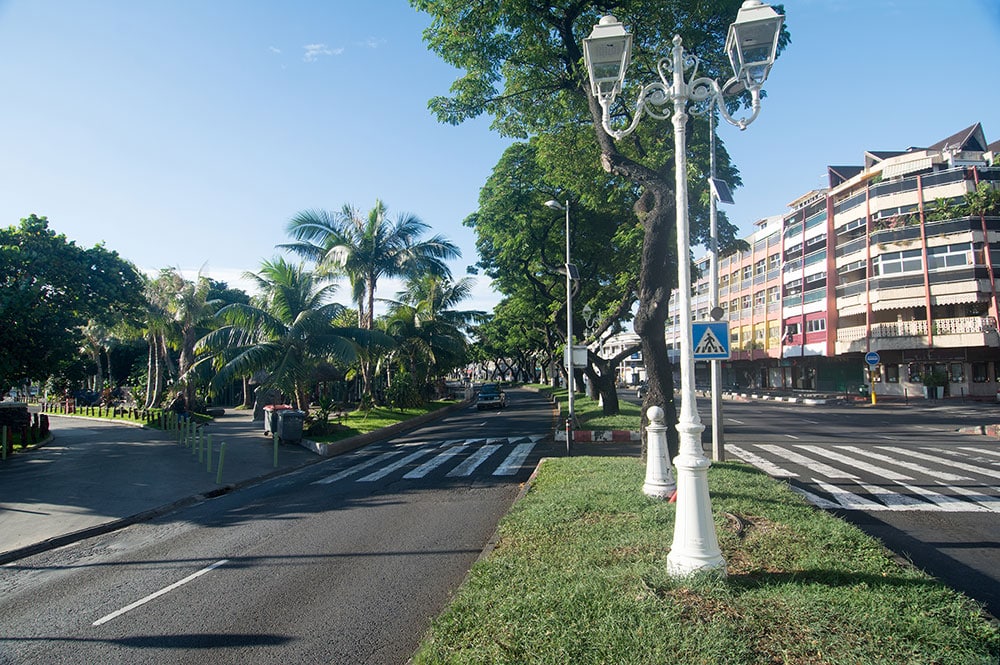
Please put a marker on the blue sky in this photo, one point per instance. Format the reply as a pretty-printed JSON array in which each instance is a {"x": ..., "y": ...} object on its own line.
[{"x": 186, "y": 133}]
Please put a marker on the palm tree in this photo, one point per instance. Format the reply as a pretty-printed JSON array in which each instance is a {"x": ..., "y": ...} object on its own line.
[
  {"x": 285, "y": 332},
  {"x": 366, "y": 248},
  {"x": 429, "y": 333}
]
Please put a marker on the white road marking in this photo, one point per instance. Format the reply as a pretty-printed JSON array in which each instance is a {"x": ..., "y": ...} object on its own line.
[
  {"x": 733, "y": 420},
  {"x": 770, "y": 469},
  {"x": 864, "y": 466},
  {"x": 894, "y": 500},
  {"x": 159, "y": 593},
  {"x": 357, "y": 467},
  {"x": 474, "y": 460},
  {"x": 982, "y": 451},
  {"x": 433, "y": 463},
  {"x": 947, "y": 462},
  {"x": 512, "y": 464},
  {"x": 987, "y": 501},
  {"x": 792, "y": 436},
  {"x": 847, "y": 499},
  {"x": 949, "y": 504},
  {"x": 389, "y": 468},
  {"x": 814, "y": 466},
  {"x": 912, "y": 466}
]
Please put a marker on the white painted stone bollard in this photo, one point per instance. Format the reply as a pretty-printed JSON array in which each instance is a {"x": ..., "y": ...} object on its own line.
[{"x": 659, "y": 477}]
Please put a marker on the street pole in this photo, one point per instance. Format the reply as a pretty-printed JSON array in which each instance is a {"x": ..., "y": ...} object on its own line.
[
  {"x": 568, "y": 356},
  {"x": 718, "y": 435},
  {"x": 751, "y": 46}
]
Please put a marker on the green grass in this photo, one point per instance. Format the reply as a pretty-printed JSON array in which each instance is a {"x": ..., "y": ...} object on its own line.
[
  {"x": 579, "y": 576},
  {"x": 590, "y": 414},
  {"x": 360, "y": 422}
]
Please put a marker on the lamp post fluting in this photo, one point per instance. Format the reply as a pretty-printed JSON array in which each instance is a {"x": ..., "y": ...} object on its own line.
[
  {"x": 570, "y": 269},
  {"x": 751, "y": 46}
]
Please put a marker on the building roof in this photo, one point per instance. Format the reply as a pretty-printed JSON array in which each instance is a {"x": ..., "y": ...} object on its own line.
[
  {"x": 971, "y": 138},
  {"x": 841, "y": 174}
]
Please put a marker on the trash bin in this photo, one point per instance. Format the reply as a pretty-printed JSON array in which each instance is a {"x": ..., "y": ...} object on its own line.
[
  {"x": 271, "y": 412},
  {"x": 290, "y": 425}
]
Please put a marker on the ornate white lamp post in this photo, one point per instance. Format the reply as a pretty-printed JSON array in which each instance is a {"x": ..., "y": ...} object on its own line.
[{"x": 751, "y": 46}]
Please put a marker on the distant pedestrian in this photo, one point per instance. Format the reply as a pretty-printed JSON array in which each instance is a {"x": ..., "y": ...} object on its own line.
[{"x": 179, "y": 406}]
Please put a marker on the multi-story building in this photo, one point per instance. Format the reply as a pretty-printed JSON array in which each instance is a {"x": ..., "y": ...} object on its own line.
[{"x": 890, "y": 258}]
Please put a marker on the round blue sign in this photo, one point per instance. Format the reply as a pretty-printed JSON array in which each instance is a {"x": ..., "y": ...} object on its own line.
[{"x": 871, "y": 358}]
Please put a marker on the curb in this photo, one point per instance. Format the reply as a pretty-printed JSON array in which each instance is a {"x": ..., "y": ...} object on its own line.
[{"x": 599, "y": 436}]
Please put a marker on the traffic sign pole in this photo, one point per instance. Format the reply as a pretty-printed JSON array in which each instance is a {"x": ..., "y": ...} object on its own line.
[{"x": 872, "y": 358}]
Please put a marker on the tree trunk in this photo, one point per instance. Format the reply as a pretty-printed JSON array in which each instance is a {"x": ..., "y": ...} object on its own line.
[{"x": 658, "y": 274}]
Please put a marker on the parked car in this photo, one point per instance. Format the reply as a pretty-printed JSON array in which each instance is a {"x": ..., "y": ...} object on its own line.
[{"x": 491, "y": 396}]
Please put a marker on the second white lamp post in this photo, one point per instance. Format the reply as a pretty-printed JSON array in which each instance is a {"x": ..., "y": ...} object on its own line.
[{"x": 751, "y": 46}]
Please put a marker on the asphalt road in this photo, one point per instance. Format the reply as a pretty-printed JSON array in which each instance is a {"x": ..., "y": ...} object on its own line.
[{"x": 345, "y": 561}]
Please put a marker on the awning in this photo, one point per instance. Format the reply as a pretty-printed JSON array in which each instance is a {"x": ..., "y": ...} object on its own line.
[{"x": 909, "y": 166}]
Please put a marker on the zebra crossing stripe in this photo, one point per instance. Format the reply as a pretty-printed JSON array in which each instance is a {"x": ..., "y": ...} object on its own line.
[
  {"x": 473, "y": 461},
  {"x": 983, "y": 451},
  {"x": 433, "y": 463},
  {"x": 847, "y": 499},
  {"x": 864, "y": 466},
  {"x": 512, "y": 464},
  {"x": 357, "y": 467},
  {"x": 894, "y": 500},
  {"x": 947, "y": 462},
  {"x": 814, "y": 466},
  {"x": 949, "y": 504},
  {"x": 991, "y": 503},
  {"x": 815, "y": 499},
  {"x": 770, "y": 469},
  {"x": 912, "y": 466},
  {"x": 386, "y": 470}
]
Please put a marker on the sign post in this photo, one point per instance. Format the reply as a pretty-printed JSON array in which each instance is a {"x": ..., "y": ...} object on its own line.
[{"x": 872, "y": 358}]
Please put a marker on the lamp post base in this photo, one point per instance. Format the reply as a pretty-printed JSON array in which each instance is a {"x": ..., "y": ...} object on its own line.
[
  {"x": 659, "y": 482},
  {"x": 695, "y": 548}
]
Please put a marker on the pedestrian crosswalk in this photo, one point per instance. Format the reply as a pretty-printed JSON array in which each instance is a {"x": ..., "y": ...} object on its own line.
[
  {"x": 456, "y": 458},
  {"x": 885, "y": 477}
]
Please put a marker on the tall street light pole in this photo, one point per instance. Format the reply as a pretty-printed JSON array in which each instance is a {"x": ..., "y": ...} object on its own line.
[
  {"x": 571, "y": 274},
  {"x": 751, "y": 45}
]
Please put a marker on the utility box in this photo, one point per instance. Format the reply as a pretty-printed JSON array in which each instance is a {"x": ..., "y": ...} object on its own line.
[
  {"x": 271, "y": 412},
  {"x": 290, "y": 425}
]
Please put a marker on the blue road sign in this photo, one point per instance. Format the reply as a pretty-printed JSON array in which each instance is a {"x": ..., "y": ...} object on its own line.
[
  {"x": 872, "y": 358},
  {"x": 711, "y": 340}
]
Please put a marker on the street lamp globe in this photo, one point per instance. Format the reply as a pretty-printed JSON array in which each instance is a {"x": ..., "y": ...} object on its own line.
[
  {"x": 752, "y": 42},
  {"x": 606, "y": 53}
]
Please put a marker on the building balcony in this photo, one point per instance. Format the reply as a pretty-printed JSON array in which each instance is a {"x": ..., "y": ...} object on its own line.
[{"x": 971, "y": 331}]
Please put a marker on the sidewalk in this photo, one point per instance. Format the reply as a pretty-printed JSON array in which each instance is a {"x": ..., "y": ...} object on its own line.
[{"x": 96, "y": 476}]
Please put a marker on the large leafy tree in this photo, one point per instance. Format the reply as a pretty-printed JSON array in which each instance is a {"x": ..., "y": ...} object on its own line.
[
  {"x": 522, "y": 245},
  {"x": 366, "y": 248},
  {"x": 522, "y": 64},
  {"x": 49, "y": 289},
  {"x": 285, "y": 333}
]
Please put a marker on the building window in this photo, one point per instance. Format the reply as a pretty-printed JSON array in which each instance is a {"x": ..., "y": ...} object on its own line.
[
  {"x": 759, "y": 298},
  {"x": 892, "y": 373},
  {"x": 747, "y": 272},
  {"x": 792, "y": 329},
  {"x": 949, "y": 256},
  {"x": 774, "y": 294},
  {"x": 760, "y": 267},
  {"x": 746, "y": 301},
  {"x": 734, "y": 305},
  {"x": 773, "y": 262},
  {"x": 956, "y": 372},
  {"x": 897, "y": 262},
  {"x": 980, "y": 373},
  {"x": 815, "y": 325}
]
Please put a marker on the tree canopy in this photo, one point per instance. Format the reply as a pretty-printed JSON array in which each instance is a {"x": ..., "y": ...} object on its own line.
[{"x": 49, "y": 289}]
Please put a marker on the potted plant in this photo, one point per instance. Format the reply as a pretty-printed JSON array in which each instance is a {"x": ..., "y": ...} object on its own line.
[{"x": 934, "y": 383}]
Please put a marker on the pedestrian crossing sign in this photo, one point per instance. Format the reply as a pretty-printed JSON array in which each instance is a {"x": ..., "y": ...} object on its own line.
[{"x": 711, "y": 340}]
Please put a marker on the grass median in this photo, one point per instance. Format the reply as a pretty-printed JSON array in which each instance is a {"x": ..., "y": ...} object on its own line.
[
  {"x": 589, "y": 413},
  {"x": 579, "y": 576}
]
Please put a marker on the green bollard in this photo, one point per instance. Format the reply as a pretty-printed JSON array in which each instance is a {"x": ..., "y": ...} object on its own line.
[
  {"x": 222, "y": 458},
  {"x": 3, "y": 442},
  {"x": 208, "y": 456},
  {"x": 275, "y": 451}
]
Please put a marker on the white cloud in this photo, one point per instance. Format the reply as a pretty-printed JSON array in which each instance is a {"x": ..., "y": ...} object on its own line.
[
  {"x": 274, "y": 49},
  {"x": 374, "y": 42},
  {"x": 314, "y": 51}
]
